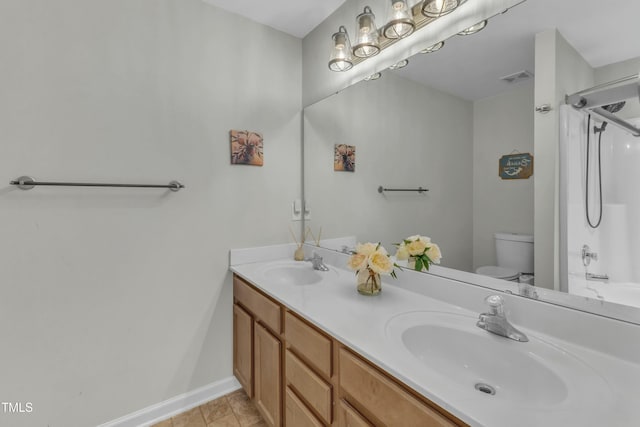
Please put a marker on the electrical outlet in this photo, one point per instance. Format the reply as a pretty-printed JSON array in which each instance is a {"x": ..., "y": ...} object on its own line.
[
  {"x": 296, "y": 210},
  {"x": 307, "y": 210}
]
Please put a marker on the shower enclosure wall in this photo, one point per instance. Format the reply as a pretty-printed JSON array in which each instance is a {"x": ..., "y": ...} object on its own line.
[{"x": 600, "y": 261}]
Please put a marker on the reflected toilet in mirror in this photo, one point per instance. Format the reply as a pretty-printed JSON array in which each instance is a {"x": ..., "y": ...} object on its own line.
[{"x": 514, "y": 254}]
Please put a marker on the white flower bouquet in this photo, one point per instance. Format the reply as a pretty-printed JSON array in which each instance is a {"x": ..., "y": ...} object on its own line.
[
  {"x": 369, "y": 262},
  {"x": 420, "y": 251}
]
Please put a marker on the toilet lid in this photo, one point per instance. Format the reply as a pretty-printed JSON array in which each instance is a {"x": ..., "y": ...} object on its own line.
[{"x": 498, "y": 272}]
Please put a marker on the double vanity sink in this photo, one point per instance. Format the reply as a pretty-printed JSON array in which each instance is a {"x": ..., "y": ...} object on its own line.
[
  {"x": 437, "y": 349},
  {"x": 295, "y": 273},
  {"x": 534, "y": 374}
]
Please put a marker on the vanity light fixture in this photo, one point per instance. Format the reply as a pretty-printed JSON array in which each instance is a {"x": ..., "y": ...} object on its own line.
[
  {"x": 399, "y": 65},
  {"x": 473, "y": 29},
  {"x": 400, "y": 20},
  {"x": 438, "y": 8},
  {"x": 404, "y": 18},
  {"x": 436, "y": 47},
  {"x": 340, "y": 59},
  {"x": 367, "y": 43},
  {"x": 372, "y": 77}
]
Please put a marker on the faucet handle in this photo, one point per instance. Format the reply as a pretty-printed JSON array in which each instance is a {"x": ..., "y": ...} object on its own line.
[{"x": 496, "y": 304}]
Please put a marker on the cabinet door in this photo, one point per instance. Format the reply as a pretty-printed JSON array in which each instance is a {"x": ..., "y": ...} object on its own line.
[
  {"x": 243, "y": 348},
  {"x": 267, "y": 370}
]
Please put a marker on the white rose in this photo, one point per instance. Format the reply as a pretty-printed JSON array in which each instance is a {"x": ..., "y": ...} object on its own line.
[
  {"x": 434, "y": 253},
  {"x": 402, "y": 253},
  {"x": 416, "y": 247},
  {"x": 366, "y": 249},
  {"x": 380, "y": 263}
]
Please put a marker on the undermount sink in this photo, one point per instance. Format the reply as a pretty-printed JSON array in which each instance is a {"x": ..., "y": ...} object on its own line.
[
  {"x": 476, "y": 362},
  {"x": 294, "y": 273}
]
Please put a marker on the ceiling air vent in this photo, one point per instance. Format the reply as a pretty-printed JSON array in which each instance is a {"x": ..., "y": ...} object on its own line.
[{"x": 518, "y": 77}]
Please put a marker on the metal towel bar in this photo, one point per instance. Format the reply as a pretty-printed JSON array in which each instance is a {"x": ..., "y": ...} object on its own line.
[
  {"x": 27, "y": 183},
  {"x": 420, "y": 190}
]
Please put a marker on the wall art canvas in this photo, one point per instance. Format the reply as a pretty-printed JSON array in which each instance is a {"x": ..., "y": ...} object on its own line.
[
  {"x": 344, "y": 159},
  {"x": 246, "y": 148}
]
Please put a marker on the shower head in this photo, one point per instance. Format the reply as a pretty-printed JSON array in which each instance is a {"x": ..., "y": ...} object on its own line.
[{"x": 614, "y": 108}]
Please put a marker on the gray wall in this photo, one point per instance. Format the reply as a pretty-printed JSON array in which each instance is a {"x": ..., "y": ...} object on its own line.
[
  {"x": 501, "y": 124},
  {"x": 113, "y": 299},
  {"x": 560, "y": 70},
  {"x": 406, "y": 135}
]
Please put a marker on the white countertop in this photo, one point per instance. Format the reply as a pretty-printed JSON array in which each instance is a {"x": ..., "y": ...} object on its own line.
[{"x": 362, "y": 323}]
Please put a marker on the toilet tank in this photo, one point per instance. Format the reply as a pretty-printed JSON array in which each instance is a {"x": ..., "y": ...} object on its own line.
[{"x": 515, "y": 251}]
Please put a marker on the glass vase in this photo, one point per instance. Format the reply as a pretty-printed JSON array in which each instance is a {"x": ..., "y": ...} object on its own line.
[
  {"x": 369, "y": 283},
  {"x": 411, "y": 263}
]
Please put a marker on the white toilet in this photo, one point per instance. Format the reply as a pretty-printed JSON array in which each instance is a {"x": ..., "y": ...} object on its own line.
[{"x": 514, "y": 253}]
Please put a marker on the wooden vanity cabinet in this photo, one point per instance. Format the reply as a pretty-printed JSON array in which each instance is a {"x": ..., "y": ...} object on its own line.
[
  {"x": 380, "y": 399},
  {"x": 308, "y": 369},
  {"x": 349, "y": 417},
  {"x": 267, "y": 390},
  {"x": 243, "y": 348},
  {"x": 298, "y": 376},
  {"x": 257, "y": 349}
]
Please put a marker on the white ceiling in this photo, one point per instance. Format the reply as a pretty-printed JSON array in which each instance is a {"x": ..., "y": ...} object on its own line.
[
  {"x": 603, "y": 32},
  {"x": 295, "y": 17},
  {"x": 471, "y": 66}
]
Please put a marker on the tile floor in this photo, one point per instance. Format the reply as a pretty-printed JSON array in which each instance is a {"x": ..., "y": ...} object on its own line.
[{"x": 233, "y": 410}]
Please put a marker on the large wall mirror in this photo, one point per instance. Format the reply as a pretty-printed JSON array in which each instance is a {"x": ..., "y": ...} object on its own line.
[{"x": 443, "y": 122}]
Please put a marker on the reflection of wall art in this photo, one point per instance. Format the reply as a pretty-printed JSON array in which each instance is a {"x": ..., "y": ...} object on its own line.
[
  {"x": 344, "y": 158},
  {"x": 246, "y": 148},
  {"x": 516, "y": 166}
]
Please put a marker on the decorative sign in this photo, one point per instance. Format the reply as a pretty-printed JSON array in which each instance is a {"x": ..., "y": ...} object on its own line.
[{"x": 516, "y": 166}]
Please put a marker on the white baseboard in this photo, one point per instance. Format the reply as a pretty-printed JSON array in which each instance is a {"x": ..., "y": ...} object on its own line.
[{"x": 176, "y": 405}]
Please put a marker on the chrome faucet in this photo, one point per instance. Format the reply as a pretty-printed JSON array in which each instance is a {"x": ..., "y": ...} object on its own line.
[
  {"x": 597, "y": 277},
  {"x": 588, "y": 255},
  {"x": 317, "y": 263},
  {"x": 495, "y": 321},
  {"x": 347, "y": 250}
]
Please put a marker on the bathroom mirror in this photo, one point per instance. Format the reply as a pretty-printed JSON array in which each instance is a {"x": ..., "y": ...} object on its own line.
[{"x": 442, "y": 123}]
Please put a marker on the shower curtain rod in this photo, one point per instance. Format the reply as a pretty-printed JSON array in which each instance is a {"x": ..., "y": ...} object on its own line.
[{"x": 593, "y": 99}]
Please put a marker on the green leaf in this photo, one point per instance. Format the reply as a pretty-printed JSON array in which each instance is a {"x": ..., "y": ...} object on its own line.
[
  {"x": 419, "y": 264},
  {"x": 426, "y": 261},
  {"x": 393, "y": 274}
]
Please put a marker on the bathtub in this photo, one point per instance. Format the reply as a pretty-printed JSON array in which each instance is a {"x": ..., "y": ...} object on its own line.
[{"x": 626, "y": 293}]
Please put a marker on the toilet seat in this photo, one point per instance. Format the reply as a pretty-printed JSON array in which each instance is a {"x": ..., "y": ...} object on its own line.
[{"x": 499, "y": 272}]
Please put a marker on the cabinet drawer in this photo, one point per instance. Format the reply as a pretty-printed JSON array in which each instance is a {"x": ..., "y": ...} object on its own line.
[
  {"x": 313, "y": 389},
  {"x": 309, "y": 343},
  {"x": 390, "y": 404},
  {"x": 297, "y": 414},
  {"x": 265, "y": 310},
  {"x": 349, "y": 417}
]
